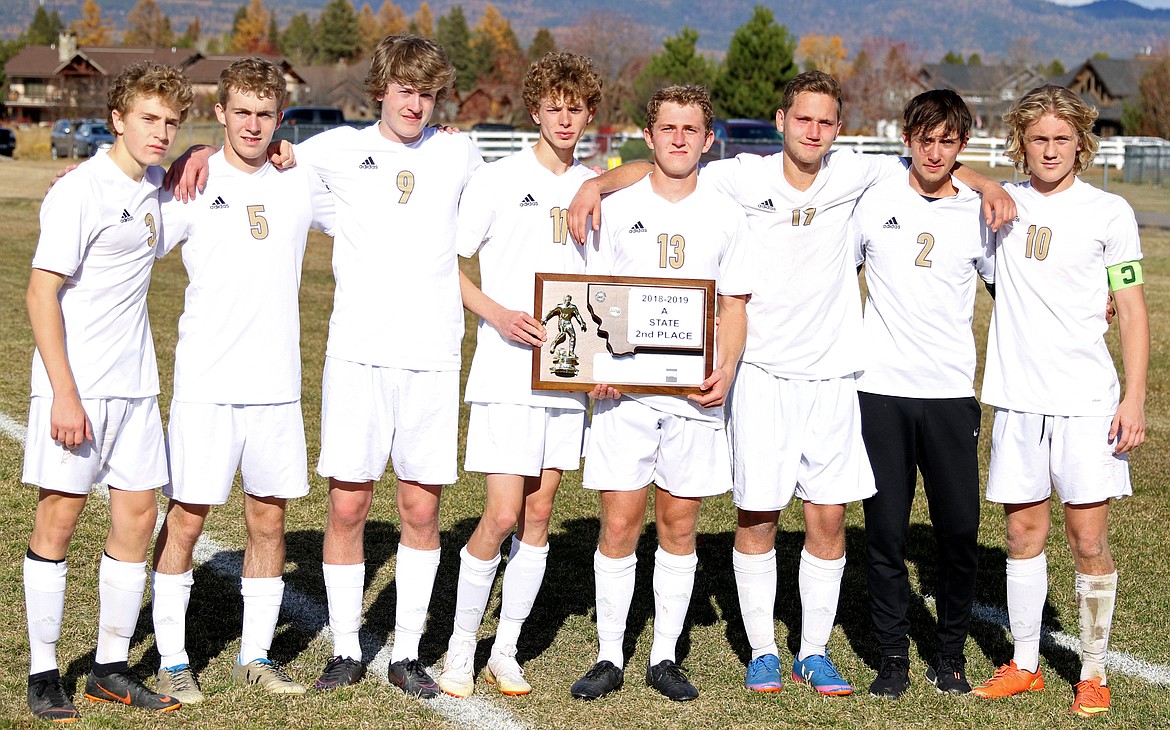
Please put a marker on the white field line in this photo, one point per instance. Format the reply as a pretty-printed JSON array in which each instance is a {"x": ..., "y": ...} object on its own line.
[{"x": 473, "y": 712}]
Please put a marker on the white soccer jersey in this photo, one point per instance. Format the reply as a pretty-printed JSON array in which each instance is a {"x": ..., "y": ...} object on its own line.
[
  {"x": 1046, "y": 351},
  {"x": 243, "y": 245},
  {"x": 804, "y": 317},
  {"x": 98, "y": 229},
  {"x": 397, "y": 301},
  {"x": 704, "y": 236},
  {"x": 514, "y": 212},
  {"x": 921, "y": 262}
]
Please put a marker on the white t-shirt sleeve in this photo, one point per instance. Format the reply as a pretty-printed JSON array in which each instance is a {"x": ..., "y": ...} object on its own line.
[
  {"x": 599, "y": 251},
  {"x": 70, "y": 220},
  {"x": 1123, "y": 243},
  {"x": 876, "y": 168},
  {"x": 323, "y": 202},
  {"x": 734, "y": 272},
  {"x": 477, "y": 212},
  {"x": 720, "y": 175},
  {"x": 176, "y": 222}
]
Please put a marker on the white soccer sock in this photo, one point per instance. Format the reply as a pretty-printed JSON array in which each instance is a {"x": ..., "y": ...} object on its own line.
[
  {"x": 120, "y": 588},
  {"x": 170, "y": 596},
  {"x": 44, "y": 603},
  {"x": 614, "y": 583},
  {"x": 343, "y": 591},
  {"x": 414, "y": 579},
  {"x": 471, "y": 597},
  {"x": 1096, "y": 596},
  {"x": 755, "y": 581},
  {"x": 262, "y": 597},
  {"x": 1027, "y": 589},
  {"x": 522, "y": 580},
  {"x": 674, "y": 581},
  {"x": 820, "y": 589}
]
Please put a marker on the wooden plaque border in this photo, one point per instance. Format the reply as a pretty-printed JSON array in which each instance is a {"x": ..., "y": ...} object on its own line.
[{"x": 554, "y": 284}]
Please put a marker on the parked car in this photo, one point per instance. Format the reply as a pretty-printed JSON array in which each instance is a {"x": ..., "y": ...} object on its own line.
[
  {"x": 79, "y": 137},
  {"x": 60, "y": 137},
  {"x": 302, "y": 122},
  {"x": 733, "y": 136},
  {"x": 89, "y": 136},
  {"x": 7, "y": 142}
]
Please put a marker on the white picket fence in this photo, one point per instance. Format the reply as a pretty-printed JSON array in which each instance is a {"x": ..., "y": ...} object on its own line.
[{"x": 988, "y": 150}]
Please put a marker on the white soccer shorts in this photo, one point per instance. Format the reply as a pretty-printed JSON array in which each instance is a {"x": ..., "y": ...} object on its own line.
[
  {"x": 1032, "y": 453},
  {"x": 631, "y": 445},
  {"x": 127, "y": 450},
  {"x": 207, "y": 442},
  {"x": 505, "y": 438},
  {"x": 797, "y": 438},
  {"x": 370, "y": 414}
]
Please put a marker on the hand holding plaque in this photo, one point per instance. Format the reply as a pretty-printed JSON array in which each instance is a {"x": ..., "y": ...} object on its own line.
[{"x": 650, "y": 335}]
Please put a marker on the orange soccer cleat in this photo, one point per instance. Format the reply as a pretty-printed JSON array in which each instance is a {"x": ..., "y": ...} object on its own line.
[
  {"x": 1010, "y": 680},
  {"x": 1092, "y": 698}
]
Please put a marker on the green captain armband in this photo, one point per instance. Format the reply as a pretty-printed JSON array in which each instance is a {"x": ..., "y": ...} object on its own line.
[{"x": 1123, "y": 276}]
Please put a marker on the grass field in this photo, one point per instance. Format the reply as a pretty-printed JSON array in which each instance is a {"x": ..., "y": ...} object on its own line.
[{"x": 559, "y": 642}]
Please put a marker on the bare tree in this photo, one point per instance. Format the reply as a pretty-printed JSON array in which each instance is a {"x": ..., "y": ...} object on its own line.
[
  {"x": 880, "y": 81},
  {"x": 618, "y": 45}
]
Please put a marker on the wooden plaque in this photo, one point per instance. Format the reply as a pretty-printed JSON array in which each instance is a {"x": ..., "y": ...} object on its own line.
[{"x": 637, "y": 334}]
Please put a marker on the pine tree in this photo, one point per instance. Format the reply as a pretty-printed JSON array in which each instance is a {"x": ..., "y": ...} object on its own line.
[
  {"x": 369, "y": 28},
  {"x": 677, "y": 63},
  {"x": 452, "y": 33},
  {"x": 759, "y": 64},
  {"x": 542, "y": 43},
  {"x": 496, "y": 48},
  {"x": 423, "y": 22},
  {"x": 296, "y": 41},
  {"x": 147, "y": 26},
  {"x": 337, "y": 34},
  {"x": 190, "y": 37},
  {"x": 44, "y": 28},
  {"x": 91, "y": 28}
]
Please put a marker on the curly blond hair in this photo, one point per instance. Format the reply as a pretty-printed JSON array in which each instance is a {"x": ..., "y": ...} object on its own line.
[
  {"x": 1060, "y": 103},
  {"x": 415, "y": 62},
  {"x": 689, "y": 95},
  {"x": 255, "y": 76},
  {"x": 562, "y": 76},
  {"x": 146, "y": 79}
]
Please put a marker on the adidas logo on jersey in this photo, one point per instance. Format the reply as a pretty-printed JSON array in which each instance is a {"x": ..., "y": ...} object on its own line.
[
  {"x": 767, "y": 205},
  {"x": 528, "y": 201},
  {"x": 368, "y": 164},
  {"x": 126, "y": 217},
  {"x": 891, "y": 223},
  {"x": 219, "y": 203},
  {"x": 638, "y": 228}
]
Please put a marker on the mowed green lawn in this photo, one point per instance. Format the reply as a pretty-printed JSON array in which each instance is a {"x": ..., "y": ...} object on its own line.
[{"x": 559, "y": 642}]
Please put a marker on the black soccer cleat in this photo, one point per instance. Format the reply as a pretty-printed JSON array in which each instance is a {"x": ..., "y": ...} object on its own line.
[
  {"x": 411, "y": 677},
  {"x": 893, "y": 678},
  {"x": 47, "y": 698},
  {"x": 668, "y": 678},
  {"x": 948, "y": 674},
  {"x": 340, "y": 671},
  {"x": 125, "y": 688},
  {"x": 599, "y": 681}
]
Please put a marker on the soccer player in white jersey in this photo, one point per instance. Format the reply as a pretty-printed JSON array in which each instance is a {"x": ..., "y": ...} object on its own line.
[
  {"x": 793, "y": 417},
  {"x": 665, "y": 225},
  {"x": 1060, "y": 420},
  {"x": 237, "y": 372},
  {"x": 391, "y": 383},
  {"x": 514, "y": 213},
  {"x": 93, "y": 416},
  {"x": 923, "y": 246}
]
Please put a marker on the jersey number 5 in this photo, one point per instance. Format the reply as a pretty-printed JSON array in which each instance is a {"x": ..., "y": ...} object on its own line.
[{"x": 258, "y": 223}]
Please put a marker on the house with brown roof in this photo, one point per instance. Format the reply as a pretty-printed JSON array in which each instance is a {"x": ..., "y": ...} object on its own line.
[
  {"x": 1108, "y": 83},
  {"x": 989, "y": 90},
  {"x": 64, "y": 80}
]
